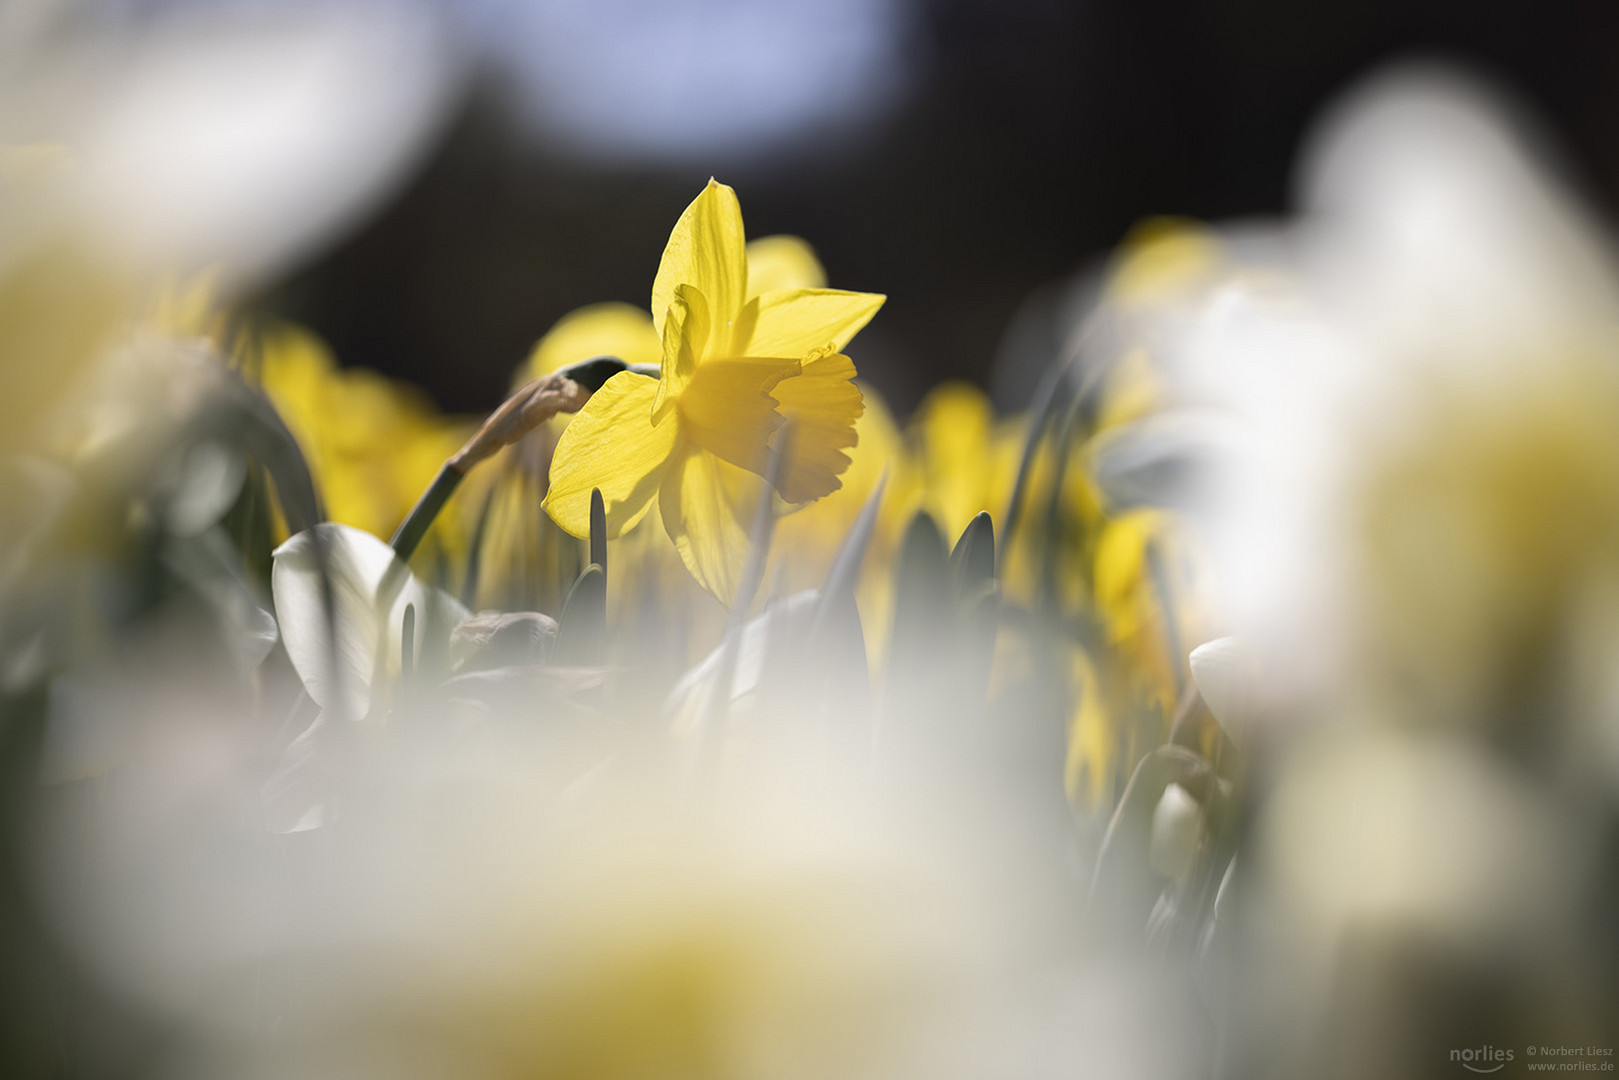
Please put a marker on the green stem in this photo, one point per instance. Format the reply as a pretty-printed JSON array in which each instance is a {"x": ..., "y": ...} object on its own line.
[
  {"x": 590, "y": 374},
  {"x": 427, "y": 508}
]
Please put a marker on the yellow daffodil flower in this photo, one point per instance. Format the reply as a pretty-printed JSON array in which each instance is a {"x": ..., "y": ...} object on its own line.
[
  {"x": 521, "y": 562},
  {"x": 736, "y": 365}
]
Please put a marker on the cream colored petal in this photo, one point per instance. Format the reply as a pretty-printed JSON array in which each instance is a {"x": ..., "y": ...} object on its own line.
[
  {"x": 612, "y": 444},
  {"x": 795, "y": 322},
  {"x": 821, "y": 404},
  {"x": 1177, "y": 833},
  {"x": 58, "y": 308},
  {"x": 782, "y": 262},
  {"x": 1226, "y": 675},
  {"x": 705, "y": 510},
  {"x": 706, "y": 251},
  {"x": 370, "y": 590},
  {"x": 727, "y": 408}
]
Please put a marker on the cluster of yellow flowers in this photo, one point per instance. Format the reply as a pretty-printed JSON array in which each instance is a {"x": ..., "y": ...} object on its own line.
[
  {"x": 372, "y": 442},
  {"x": 694, "y": 715},
  {"x": 712, "y": 388}
]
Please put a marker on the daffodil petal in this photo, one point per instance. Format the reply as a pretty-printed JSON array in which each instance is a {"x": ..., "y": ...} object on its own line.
[
  {"x": 1225, "y": 674},
  {"x": 782, "y": 262},
  {"x": 683, "y": 332},
  {"x": 727, "y": 409},
  {"x": 336, "y": 673},
  {"x": 707, "y": 251},
  {"x": 795, "y": 322},
  {"x": 1122, "y": 571},
  {"x": 705, "y": 512},
  {"x": 954, "y": 427},
  {"x": 611, "y": 329},
  {"x": 612, "y": 444},
  {"x": 822, "y": 405},
  {"x": 370, "y": 591},
  {"x": 1092, "y": 740},
  {"x": 1161, "y": 259}
]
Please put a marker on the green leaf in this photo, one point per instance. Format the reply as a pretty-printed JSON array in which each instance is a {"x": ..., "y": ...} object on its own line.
[
  {"x": 837, "y": 592},
  {"x": 972, "y": 562},
  {"x": 598, "y": 529},
  {"x": 582, "y": 630}
]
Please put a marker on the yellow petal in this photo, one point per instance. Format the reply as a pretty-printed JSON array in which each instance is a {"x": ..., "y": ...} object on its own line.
[
  {"x": 1161, "y": 259},
  {"x": 611, "y": 329},
  {"x": 727, "y": 408},
  {"x": 1092, "y": 739},
  {"x": 298, "y": 372},
  {"x": 1133, "y": 389},
  {"x": 954, "y": 427},
  {"x": 705, "y": 511},
  {"x": 612, "y": 444},
  {"x": 795, "y": 322},
  {"x": 807, "y": 538},
  {"x": 822, "y": 405},
  {"x": 880, "y": 448},
  {"x": 706, "y": 251},
  {"x": 683, "y": 331},
  {"x": 782, "y": 262},
  {"x": 1123, "y": 584}
]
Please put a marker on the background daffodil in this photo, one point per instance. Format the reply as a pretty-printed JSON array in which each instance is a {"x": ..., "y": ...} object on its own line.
[
  {"x": 372, "y": 443},
  {"x": 736, "y": 365}
]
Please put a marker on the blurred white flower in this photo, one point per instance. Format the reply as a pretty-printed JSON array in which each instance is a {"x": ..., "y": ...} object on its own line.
[
  {"x": 1429, "y": 491},
  {"x": 133, "y": 155},
  {"x": 531, "y": 896},
  {"x": 233, "y": 137},
  {"x": 1418, "y": 540}
]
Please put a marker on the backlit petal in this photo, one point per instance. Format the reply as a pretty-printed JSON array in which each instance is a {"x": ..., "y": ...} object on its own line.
[
  {"x": 822, "y": 405},
  {"x": 795, "y": 322},
  {"x": 613, "y": 445},
  {"x": 370, "y": 591},
  {"x": 954, "y": 429},
  {"x": 706, "y": 250},
  {"x": 727, "y": 408},
  {"x": 706, "y": 505},
  {"x": 683, "y": 331},
  {"x": 782, "y": 262}
]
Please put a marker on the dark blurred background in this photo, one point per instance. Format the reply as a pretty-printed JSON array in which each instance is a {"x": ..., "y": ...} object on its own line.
[{"x": 958, "y": 155}]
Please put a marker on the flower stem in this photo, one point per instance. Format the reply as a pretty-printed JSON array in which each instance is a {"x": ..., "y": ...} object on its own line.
[{"x": 563, "y": 391}]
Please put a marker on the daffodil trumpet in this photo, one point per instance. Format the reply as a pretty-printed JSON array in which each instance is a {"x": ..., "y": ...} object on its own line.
[{"x": 564, "y": 391}]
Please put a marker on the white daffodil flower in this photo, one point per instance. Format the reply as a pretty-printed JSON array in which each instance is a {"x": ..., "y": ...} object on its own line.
[
  {"x": 235, "y": 137},
  {"x": 1427, "y": 493},
  {"x": 344, "y": 661}
]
